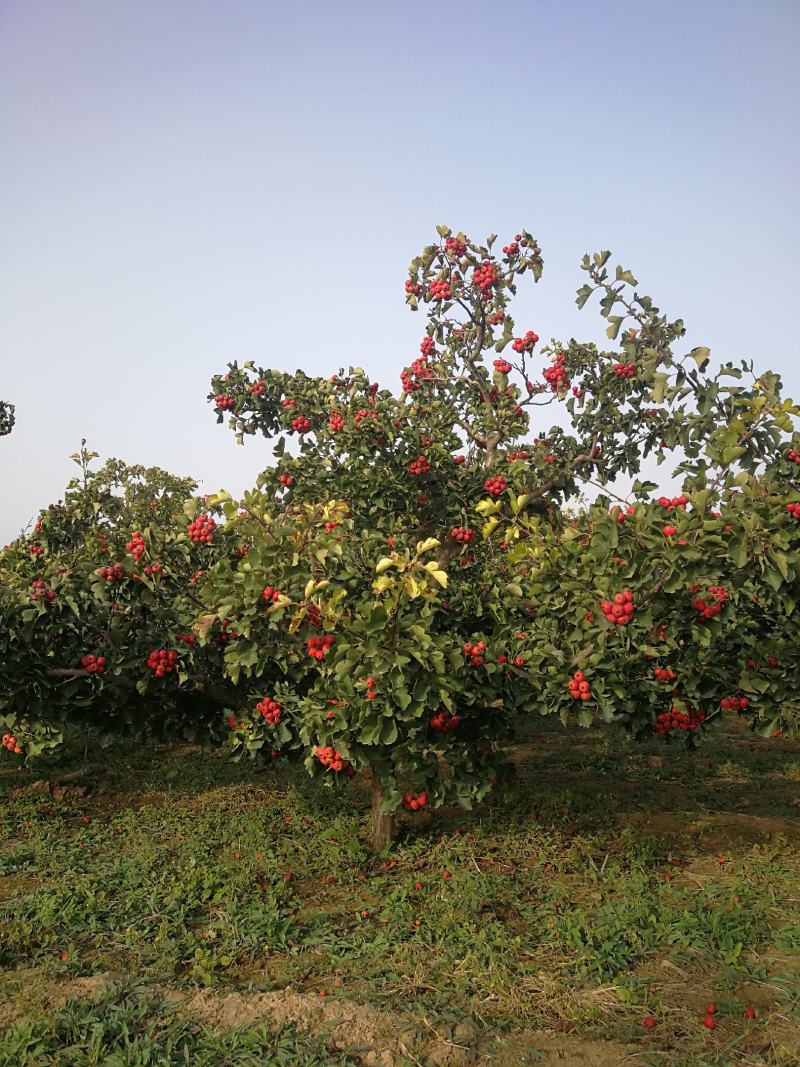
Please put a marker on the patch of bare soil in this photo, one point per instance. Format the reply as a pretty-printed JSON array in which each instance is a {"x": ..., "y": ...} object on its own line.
[
  {"x": 714, "y": 833},
  {"x": 91, "y": 988},
  {"x": 34, "y": 991},
  {"x": 377, "y": 1039},
  {"x": 564, "y": 1050}
]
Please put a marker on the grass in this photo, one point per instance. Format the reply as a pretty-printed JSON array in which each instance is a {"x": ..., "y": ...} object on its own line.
[{"x": 612, "y": 882}]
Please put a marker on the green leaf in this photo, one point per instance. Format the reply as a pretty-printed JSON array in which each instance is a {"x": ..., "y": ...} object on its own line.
[
  {"x": 616, "y": 321},
  {"x": 625, "y": 276}
]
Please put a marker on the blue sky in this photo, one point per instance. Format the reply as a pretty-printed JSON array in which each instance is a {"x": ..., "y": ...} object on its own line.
[{"x": 186, "y": 183}]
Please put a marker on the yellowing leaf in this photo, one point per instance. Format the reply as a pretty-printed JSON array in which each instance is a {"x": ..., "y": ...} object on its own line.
[
  {"x": 412, "y": 586},
  {"x": 384, "y": 565},
  {"x": 489, "y": 526},
  {"x": 487, "y": 507},
  {"x": 441, "y": 577},
  {"x": 427, "y": 545}
]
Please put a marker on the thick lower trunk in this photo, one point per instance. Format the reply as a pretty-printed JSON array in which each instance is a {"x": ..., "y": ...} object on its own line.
[{"x": 381, "y": 824}]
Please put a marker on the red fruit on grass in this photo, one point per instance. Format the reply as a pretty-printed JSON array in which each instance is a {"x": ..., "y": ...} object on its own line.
[
  {"x": 709, "y": 1022},
  {"x": 711, "y": 1009},
  {"x": 750, "y": 1012},
  {"x": 649, "y": 1022}
]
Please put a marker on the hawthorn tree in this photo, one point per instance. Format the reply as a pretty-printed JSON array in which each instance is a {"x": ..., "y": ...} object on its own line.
[
  {"x": 420, "y": 570},
  {"x": 418, "y": 577}
]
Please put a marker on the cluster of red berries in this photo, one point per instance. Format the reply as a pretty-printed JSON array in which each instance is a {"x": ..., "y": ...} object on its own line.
[
  {"x": 364, "y": 413},
  {"x": 458, "y": 460},
  {"x": 579, "y": 688},
  {"x": 674, "y": 503},
  {"x": 624, "y": 370},
  {"x": 412, "y": 287},
  {"x": 314, "y": 615},
  {"x": 670, "y": 531},
  {"x": 370, "y": 684},
  {"x": 793, "y": 455},
  {"x": 427, "y": 346},
  {"x": 201, "y": 529},
  {"x": 675, "y": 719},
  {"x": 455, "y": 248},
  {"x": 475, "y": 653},
  {"x": 271, "y": 593},
  {"x": 336, "y": 422},
  {"x": 502, "y": 366},
  {"x": 37, "y": 550},
  {"x": 257, "y": 388},
  {"x": 114, "y": 573},
  {"x": 663, "y": 674},
  {"x": 153, "y": 570},
  {"x": 734, "y": 703},
  {"x": 621, "y": 514},
  {"x": 223, "y": 402},
  {"x": 419, "y": 466},
  {"x": 332, "y": 759},
  {"x": 620, "y": 610},
  {"x": 300, "y": 424},
  {"x": 512, "y": 456},
  {"x": 463, "y": 534},
  {"x": 485, "y": 276},
  {"x": 225, "y": 634},
  {"x": 196, "y": 577},
  {"x": 162, "y": 661},
  {"x": 318, "y": 646},
  {"x": 414, "y": 377},
  {"x": 794, "y": 510},
  {"x": 42, "y": 591},
  {"x": 270, "y": 710},
  {"x": 330, "y": 526},
  {"x": 136, "y": 544},
  {"x": 495, "y": 486},
  {"x": 288, "y": 402},
  {"x": 440, "y": 290},
  {"x": 708, "y": 608},
  {"x": 11, "y": 743},
  {"x": 94, "y": 664},
  {"x": 444, "y": 723},
  {"x": 414, "y": 803},
  {"x": 187, "y": 639},
  {"x": 512, "y": 248},
  {"x": 556, "y": 376},
  {"x": 526, "y": 343},
  {"x": 286, "y": 480}
]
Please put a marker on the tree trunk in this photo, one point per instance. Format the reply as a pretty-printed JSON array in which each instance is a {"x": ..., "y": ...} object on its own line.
[{"x": 381, "y": 824}]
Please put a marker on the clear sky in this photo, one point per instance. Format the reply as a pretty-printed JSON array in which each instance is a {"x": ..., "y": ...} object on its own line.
[{"x": 187, "y": 182}]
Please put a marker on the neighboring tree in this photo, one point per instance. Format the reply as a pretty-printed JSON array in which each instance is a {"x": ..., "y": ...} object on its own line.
[
  {"x": 97, "y": 606},
  {"x": 7, "y": 418}
]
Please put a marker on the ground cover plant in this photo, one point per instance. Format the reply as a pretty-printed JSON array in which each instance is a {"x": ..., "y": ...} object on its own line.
[{"x": 594, "y": 911}]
